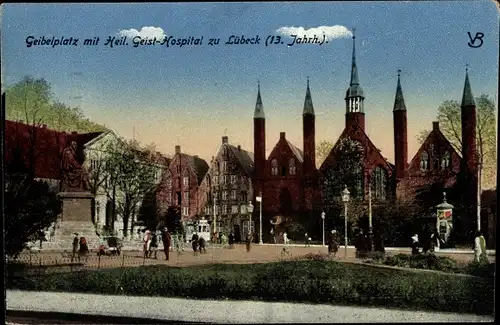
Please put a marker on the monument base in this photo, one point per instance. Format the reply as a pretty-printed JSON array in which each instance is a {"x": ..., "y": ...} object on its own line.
[{"x": 76, "y": 217}]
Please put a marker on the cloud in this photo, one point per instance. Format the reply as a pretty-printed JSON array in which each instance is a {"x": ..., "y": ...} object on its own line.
[
  {"x": 149, "y": 31},
  {"x": 331, "y": 32}
]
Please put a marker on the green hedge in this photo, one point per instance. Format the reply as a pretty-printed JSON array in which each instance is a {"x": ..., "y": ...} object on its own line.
[{"x": 299, "y": 281}]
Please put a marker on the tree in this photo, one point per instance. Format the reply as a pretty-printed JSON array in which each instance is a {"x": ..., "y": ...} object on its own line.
[
  {"x": 130, "y": 171},
  {"x": 32, "y": 101},
  {"x": 148, "y": 212},
  {"x": 345, "y": 169},
  {"x": 323, "y": 149},
  {"x": 30, "y": 207},
  {"x": 449, "y": 117}
]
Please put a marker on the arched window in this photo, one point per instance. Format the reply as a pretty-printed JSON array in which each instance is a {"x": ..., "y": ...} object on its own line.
[
  {"x": 379, "y": 183},
  {"x": 292, "y": 168},
  {"x": 360, "y": 182},
  {"x": 274, "y": 167},
  {"x": 445, "y": 161},
  {"x": 424, "y": 161}
]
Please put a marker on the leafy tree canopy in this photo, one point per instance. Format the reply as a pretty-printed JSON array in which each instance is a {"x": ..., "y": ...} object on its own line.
[
  {"x": 32, "y": 101},
  {"x": 30, "y": 207},
  {"x": 449, "y": 117}
]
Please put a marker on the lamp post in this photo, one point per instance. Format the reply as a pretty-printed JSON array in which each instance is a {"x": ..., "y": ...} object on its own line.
[
  {"x": 250, "y": 210},
  {"x": 215, "y": 215},
  {"x": 323, "y": 217},
  {"x": 370, "y": 226},
  {"x": 345, "y": 199},
  {"x": 259, "y": 199}
]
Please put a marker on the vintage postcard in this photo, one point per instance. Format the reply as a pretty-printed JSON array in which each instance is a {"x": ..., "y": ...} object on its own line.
[{"x": 247, "y": 157}]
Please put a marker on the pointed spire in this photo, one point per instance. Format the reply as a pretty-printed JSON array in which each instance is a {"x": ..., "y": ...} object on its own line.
[
  {"x": 467, "y": 98},
  {"x": 259, "y": 108},
  {"x": 355, "y": 89},
  {"x": 399, "y": 101},
  {"x": 354, "y": 68},
  {"x": 308, "y": 104}
]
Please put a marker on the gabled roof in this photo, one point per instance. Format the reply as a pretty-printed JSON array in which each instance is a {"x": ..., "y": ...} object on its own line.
[
  {"x": 197, "y": 165},
  {"x": 245, "y": 158},
  {"x": 435, "y": 133},
  {"x": 296, "y": 151},
  {"x": 346, "y": 133},
  {"x": 48, "y": 147}
]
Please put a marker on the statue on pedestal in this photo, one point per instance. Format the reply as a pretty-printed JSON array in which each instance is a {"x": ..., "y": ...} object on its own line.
[{"x": 74, "y": 177}]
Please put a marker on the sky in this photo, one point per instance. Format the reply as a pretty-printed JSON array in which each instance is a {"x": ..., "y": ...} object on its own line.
[{"x": 194, "y": 95}]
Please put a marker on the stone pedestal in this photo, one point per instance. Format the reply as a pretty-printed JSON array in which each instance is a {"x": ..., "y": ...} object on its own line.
[{"x": 76, "y": 217}]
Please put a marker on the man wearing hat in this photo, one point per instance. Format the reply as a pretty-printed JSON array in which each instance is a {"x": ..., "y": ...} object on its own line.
[
  {"x": 166, "y": 239},
  {"x": 75, "y": 246}
]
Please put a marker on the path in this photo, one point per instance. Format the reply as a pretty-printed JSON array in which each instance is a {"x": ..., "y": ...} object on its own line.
[{"x": 220, "y": 311}]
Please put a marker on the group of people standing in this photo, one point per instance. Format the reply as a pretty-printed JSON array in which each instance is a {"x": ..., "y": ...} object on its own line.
[
  {"x": 151, "y": 243},
  {"x": 80, "y": 247}
]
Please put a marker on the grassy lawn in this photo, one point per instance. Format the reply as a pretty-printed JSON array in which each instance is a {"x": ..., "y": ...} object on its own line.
[{"x": 298, "y": 281}]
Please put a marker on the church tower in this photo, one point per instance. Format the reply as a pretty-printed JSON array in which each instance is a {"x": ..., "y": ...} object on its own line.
[
  {"x": 469, "y": 151},
  {"x": 400, "y": 132},
  {"x": 259, "y": 142},
  {"x": 354, "y": 96},
  {"x": 308, "y": 123}
]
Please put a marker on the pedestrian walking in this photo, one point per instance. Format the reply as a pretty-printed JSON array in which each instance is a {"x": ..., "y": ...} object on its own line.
[
  {"x": 333, "y": 243},
  {"x": 307, "y": 240},
  {"x": 248, "y": 242},
  {"x": 166, "y": 238},
  {"x": 194, "y": 242},
  {"x": 479, "y": 247},
  {"x": 75, "y": 247},
  {"x": 84, "y": 248},
  {"x": 285, "y": 238},
  {"x": 146, "y": 243},
  {"x": 154, "y": 246},
  {"x": 231, "y": 240},
  {"x": 361, "y": 245},
  {"x": 415, "y": 244},
  {"x": 202, "y": 245}
]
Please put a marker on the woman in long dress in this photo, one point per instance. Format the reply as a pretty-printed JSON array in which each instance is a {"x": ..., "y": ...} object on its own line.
[{"x": 147, "y": 243}]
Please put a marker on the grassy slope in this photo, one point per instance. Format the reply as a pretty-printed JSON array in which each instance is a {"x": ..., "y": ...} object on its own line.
[{"x": 300, "y": 281}]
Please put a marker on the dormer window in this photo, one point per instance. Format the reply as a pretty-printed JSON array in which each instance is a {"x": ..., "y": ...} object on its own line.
[
  {"x": 224, "y": 166},
  {"x": 292, "y": 168},
  {"x": 185, "y": 181},
  {"x": 445, "y": 161},
  {"x": 274, "y": 167},
  {"x": 424, "y": 161}
]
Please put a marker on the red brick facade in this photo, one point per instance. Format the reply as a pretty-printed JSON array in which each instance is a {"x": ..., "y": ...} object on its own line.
[{"x": 180, "y": 185}]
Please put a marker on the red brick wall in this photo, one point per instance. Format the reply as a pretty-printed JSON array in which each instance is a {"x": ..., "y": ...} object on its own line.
[
  {"x": 177, "y": 186},
  {"x": 274, "y": 184},
  {"x": 351, "y": 118},
  {"x": 400, "y": 143},
  {"x": 309, "y": 146}
]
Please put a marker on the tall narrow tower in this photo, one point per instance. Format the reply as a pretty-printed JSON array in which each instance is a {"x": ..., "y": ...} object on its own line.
[
  {"x": 469, "y": 151},
  {"x": 259, "y": 141},
  {"x": 354, "y": 96},
  {"x": 309, "y": 130},
  {"x": 400, "y": 132}
]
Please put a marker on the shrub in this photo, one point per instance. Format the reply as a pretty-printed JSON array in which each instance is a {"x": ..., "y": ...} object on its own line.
[{"x": 302, "y": 281}]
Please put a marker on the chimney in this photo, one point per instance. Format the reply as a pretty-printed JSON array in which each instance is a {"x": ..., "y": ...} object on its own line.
[
  {"x": 282, "y": 135},
  {"x": 177, "y": 149},
  {"x": 224, "y": 139},
  {"x": 435, "y": 125},
  {"x": 239, "y": 148}
]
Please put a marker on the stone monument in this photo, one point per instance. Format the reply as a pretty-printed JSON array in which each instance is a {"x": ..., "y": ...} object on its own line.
[{"x": 77, "y": 201}]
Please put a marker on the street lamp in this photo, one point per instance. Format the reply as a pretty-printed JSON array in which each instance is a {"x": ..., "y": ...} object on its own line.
[
  {"x": 345, "y": 199},
  {"x": 215, "y": 216},
  {"x": 370, "y": 226},
  {"x": 323, "y": 217},
  {"x": 250, "y": 210},
  {"x": 259, "y": 199}
]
